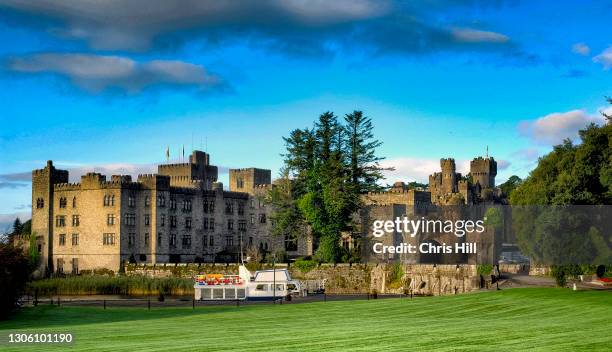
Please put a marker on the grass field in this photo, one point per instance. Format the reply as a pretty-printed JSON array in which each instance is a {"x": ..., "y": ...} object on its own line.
[{"x": 512, "y": 320}]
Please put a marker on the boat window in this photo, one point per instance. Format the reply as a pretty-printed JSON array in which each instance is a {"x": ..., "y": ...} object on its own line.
[
  {"x": 280, "y": 287},
  {"x": 291, "y": 287},
  {"x": 261, "y": 287}
]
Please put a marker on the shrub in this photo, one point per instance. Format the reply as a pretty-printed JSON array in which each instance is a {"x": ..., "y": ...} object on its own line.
[
  {"x": 558, "y": 272},
  {"x": 484, "y": 269},
  {"x": 13, "y": 277},
  {"x": 394, "y": 280},
  {"x": 128, "y": 285},
  {"x": 305, "y": 265}
]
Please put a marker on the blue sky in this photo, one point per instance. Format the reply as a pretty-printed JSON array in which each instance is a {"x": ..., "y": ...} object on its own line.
[{"x": 106, "y": 86}]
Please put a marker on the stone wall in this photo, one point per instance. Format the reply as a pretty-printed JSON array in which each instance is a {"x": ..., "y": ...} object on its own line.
[{"x": 426, "y": 280}]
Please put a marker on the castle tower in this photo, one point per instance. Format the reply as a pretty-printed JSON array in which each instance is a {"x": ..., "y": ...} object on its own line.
[
  {"x": 197, "y": 169},
  {"x": 483, "y": 171},
  {"x": 43, "y": 181},
  {"x": 245, "y": 180},
  {"x": 449, "y": 176}
]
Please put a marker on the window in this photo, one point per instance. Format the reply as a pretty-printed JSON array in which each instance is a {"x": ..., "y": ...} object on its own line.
[
  {"x": 161, "y": 201},
  {"x": 240, "y": 182},
  {"x": 62, "y": 202},
  {"x": 211, "y": 240},
  {"x": 211, "y": 224},
  {"x": 109, "y": 200},
  {"x": 131, "y": 201},
  {"x": 173, "y": 240},
  {"x": 60, "y": 221},
  {"x": 62, "y": 239},
  {"x": 229, "y": 207},
  {"x": 147, "y": 202},
  {"x": 205, "y": 223},
  {"x": 187, "y": 205},
  {"x": 159, "y": 239},
  {"x": 252, "y": 219},
  {"x": 60, "y": 265},
  {"x": 241, "y": 225},
  {"x": 211, "y": 206},
  {"x": 230, "y": 224},
  {"x": 250, "y": 241},
  {"x": 110, "y": 219},
  {"x": 40, "y": 203},
  {"x": 131, "y": 239},
  {"x": 187, "y": 241},
  {"x": 205, "y": 240},
  {"x": 261, "y": 287},
  {"x": 162, "y": 220},
  {"x": 147, "y": 219},
  {"x": 172, "y": 203},
  {"x": 252, "y": 203},
  {"x": 172, "y": 220},
  {"x": 75, "y": 220},
  {"x": 240, "y": 208},
  {"x": 262, "y": 218},
  {"x": 229, "y": 241},
  {"x": 75, "y": 266},
  {"x": 108, "y": 239},
  {"x": 74, "y": 203},
  {"x": 205, "y": 204},
  {"x": 187, "y": 223},
  {"x": 130, "y": 219},
  {"x": 291, "y": 243},
  {"x": 75, "y": 239},
  {"x": 146, "y": 239}
]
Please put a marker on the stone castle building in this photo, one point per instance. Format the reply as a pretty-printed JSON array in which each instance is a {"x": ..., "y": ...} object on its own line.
[
  {"x": 449, "y": 195},
  {"x": 180, "y": 214}
]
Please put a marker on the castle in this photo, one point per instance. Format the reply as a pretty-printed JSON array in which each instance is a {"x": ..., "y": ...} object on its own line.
[
  {"x": 180, "y": 214},
  {"x": 449, "y": 194}
]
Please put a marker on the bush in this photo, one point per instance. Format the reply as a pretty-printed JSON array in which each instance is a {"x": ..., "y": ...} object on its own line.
[
  {"x": 559, "y": 273},
  {"x": 112, "y": 285},
  {"x": 394, "y": 280},
  {"x": 14, "y": 276},
  {"x": 305, "y": 265},
  {"x": 484, "y": 269}
]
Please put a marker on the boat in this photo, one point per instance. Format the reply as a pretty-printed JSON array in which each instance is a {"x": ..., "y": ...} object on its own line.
[{"x": 264, "y": 285}]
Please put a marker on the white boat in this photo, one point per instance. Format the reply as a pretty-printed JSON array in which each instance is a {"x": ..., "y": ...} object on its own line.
[{"x": 270, "y": 284}]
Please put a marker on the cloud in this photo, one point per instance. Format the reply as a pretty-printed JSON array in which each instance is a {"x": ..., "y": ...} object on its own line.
[
  {"x": 553, "y": 128},
  {"x": 97, "y": 73},
  {"x": 417, "y": 169},
  {"x": 76, "y": 170},
  {"x": 301, "y": 27},
  {"x": 604, "y": 58},
  {"x": 23, "y": 206},
  {"x": 581, "y": 49},
  {"x": 527, "y": 154},
  {"x": 573, "y": 73},
  {"x": 15, "y": 180},
  {"x": 503, "y": 164},
  {"x": 477, "y": 36}
]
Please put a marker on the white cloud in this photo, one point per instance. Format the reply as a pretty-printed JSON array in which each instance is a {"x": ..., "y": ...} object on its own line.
[
  {"x": 553, "y": 128},
  {"x": 96, "y": 73},
  {"x": 477, "y": 36},
  {"x": 416, "y": 169},
  {"x": 581, "y": 49},
  {"x": 604, "y": 58}
]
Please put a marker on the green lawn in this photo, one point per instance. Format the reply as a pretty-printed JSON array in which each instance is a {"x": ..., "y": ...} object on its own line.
[{"x": 513, "y": 319}]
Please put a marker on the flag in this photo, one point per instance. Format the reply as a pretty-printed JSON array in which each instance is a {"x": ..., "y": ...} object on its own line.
[
  {"x": 183, "y": 152},
  {"x": 167, "y": 153}
]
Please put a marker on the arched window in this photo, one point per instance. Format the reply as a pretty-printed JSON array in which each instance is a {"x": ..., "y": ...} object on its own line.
[{"x": 74, "y": 202}]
